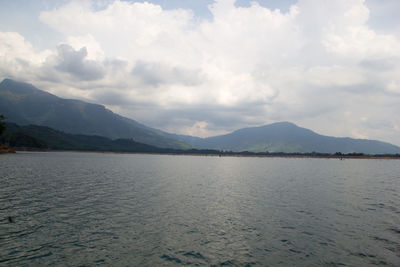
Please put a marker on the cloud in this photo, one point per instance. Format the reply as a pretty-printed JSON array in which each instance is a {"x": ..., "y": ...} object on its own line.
[
  {"x": 157, "y": 73},
  {"x": 75, "y": 63},
  {"x": 18, "y": 58},
  {"x": 381, "y": 64},
  {"x": 318, "y": 63}
]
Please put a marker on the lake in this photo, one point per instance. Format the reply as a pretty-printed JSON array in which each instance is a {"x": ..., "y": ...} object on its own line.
[{"x": 88, "y": 209}]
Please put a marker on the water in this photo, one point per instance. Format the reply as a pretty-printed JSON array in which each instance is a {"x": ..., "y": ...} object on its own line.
[{"x": 86, "y": 209}]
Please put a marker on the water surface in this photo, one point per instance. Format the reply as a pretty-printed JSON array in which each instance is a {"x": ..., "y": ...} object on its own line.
[{"x": 87, "y": 209}]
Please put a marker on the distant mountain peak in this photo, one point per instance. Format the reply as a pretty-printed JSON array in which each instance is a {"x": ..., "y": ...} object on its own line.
[
  {"x": 13, "y": 83},
  {"x": 288, "y": 137},
  {"x": 280, "y": 124},
  {"x": 6, "y": 80},
  {"x": 20, "y": 88},
  {"x": 283, "y": 123}
]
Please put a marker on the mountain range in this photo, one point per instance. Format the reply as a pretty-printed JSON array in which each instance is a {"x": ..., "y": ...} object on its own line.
[
  {"x": 288, "y": 137},
  {"x": 42, "y": 138},
  {"x": 24, "y": 104}
]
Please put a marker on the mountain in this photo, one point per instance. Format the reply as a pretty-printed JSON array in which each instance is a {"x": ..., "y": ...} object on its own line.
[
  {"x": 24, "y": 104},
  {"x": 287, "y": 137},
  {"x": 44, "y": 138}
]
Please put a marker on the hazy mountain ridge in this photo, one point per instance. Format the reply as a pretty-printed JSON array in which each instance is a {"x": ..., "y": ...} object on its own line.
[
  {"x": 24, "y": 104},
  {"x": 287, "y": 137}
]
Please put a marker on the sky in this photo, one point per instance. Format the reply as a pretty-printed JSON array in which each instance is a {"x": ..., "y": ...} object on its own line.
[{"x": 204, "y": 67}]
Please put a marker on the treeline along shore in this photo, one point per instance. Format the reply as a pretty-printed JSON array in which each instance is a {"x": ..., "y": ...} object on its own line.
[
  {"x": 217, "y": 153},
  {"x": 6, "y": 149}
]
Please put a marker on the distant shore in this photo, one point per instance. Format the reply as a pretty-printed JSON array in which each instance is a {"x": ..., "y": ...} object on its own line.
[{"x": 230, "y": 154}]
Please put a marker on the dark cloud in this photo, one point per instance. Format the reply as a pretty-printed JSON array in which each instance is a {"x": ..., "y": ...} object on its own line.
[
  {"x": 74, "y": 62},
  {"x": 156, "y": 74}
]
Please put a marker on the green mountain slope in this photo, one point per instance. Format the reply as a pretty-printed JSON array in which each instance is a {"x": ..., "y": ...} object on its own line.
[
  {"x": 24, "y": 104},
  {"x": 287, "y": 137},
  {"x": 42, "y": 137}
]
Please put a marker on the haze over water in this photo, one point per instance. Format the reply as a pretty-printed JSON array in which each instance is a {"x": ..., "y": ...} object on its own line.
[{"x": 146, "y": 210}]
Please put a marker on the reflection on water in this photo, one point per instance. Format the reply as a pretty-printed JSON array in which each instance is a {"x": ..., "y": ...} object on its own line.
[{"x": 94, "y": 209}]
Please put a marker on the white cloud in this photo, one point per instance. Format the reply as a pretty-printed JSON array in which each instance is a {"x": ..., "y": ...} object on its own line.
[
  {"x": 94, "y": 50},
  {"x": 17, "y": 56},
  {"x": 319, "y": 64}
]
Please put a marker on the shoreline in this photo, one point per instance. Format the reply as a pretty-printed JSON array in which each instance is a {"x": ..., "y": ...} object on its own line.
[
  {"x": 238, "y": 155},
  {"x": 6, "y": 150}
]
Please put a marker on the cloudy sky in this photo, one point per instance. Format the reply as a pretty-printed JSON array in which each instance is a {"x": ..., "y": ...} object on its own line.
[{"x": 205, "y": 67}]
